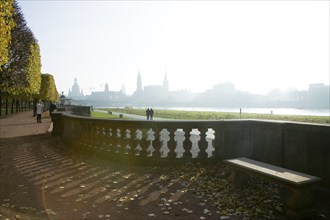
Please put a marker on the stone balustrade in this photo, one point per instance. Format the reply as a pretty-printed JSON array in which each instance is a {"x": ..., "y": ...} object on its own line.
[{"x": 297, "y": 146}]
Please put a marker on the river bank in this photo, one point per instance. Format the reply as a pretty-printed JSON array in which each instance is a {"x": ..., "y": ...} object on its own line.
[{"x": 217, "y": 115}]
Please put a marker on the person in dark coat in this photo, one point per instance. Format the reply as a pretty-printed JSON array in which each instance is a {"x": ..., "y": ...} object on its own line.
[
  {"x": 52, "y": 107},
  {"x": 148, "y": 113},
  {"x": 151, "y": 114}
]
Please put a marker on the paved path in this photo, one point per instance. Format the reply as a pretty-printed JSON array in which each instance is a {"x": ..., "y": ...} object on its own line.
[
  {"x": 42, "y": 179},
  {"x": 132, "y": 116},
  {"x": 23, "y": 124}
]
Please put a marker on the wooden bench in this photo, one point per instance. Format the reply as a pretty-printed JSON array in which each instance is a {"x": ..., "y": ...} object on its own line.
[{"x": 299, "y": 202}]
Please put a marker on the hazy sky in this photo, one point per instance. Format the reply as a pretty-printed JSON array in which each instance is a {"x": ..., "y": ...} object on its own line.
[{"x": 257, "y": 45}]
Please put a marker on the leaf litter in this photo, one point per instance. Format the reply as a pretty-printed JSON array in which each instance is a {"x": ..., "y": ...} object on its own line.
[{"x": 259, "y": 198}]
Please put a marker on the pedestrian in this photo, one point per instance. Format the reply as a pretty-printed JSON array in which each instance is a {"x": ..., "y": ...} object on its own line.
[
  {"x": 151, "y": 114},
  {"x": 148, "y": 113},
  {"x": 52, "y": 107},
  {"x": 40, "y": 108}
]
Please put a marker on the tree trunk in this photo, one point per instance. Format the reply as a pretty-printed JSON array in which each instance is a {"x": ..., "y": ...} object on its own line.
[
  {"x": 6, "y": 106},
  {"x": 34, "y": 107},
  {"x": 17, "y": 105},
  {"x": 12, "y": 106}
]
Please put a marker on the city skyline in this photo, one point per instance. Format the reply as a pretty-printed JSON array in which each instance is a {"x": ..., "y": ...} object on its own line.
[
  {"x": 139, "y": 81},
  {"x": 199, "y": 43},
  {"x": 220, "y": 95}
]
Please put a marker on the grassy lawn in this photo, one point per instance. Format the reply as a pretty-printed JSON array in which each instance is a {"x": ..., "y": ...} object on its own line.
[
  {"x": 103, "y": 115},
  {"x": 194, "y": 115}
]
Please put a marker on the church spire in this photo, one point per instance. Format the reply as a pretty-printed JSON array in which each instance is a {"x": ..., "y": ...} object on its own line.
[
  {"x": 106, "y": 88},
  {"x": 139, "y": 83}
]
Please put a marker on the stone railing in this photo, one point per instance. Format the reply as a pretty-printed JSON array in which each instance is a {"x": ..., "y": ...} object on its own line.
[{"x": 297, "y": 146}]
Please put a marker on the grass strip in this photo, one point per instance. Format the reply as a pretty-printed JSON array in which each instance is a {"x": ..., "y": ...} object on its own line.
[{"x": 206, "y": 115}]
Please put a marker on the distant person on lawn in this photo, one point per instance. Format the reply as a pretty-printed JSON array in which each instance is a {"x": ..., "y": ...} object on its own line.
[
  {"x": 40, "y": 108},
  {"x": 148, "y": 113},
  {"x": 151, "y": 114}
]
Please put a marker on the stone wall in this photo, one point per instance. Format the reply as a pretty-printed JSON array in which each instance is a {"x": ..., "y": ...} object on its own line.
[{"x": 298, "y": 146}]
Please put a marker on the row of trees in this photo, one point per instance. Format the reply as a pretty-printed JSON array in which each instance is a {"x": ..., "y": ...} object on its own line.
[{"x": 20, "y": 62}]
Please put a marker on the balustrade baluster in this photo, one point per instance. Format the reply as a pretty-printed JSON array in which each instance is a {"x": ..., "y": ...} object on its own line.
[
  {"x": 110, "y": 142},
  {"x": 96, "y": 138},
  {"x": 103, "y": 137},
  {"x": 156, "y": 143},
  {"x": 150, "y": 140},
  {"x": 187, "y": 144},
  {"x": 106, "y": 138},
  {"x": 210, "y": 143},
  {"x": 137, "y": 141},
  {"x": 118, "y": 146},
  {"x": 132, "y": 141},
  {"x": 99, "y": 136},
  {"x": 203, "y": 144},
  {"x": 144, "y": 143},
  {"x": 171, "y": 144},
  {"x": 127, "y": 145}
]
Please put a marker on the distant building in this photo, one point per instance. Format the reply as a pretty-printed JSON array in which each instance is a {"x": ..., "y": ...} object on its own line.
[
  {"x": 150, "y": 94},
  {"x": 319, "y": 95},
  {"x": 221, "y": 95},
  {"x": 107, "y": 97},
  {"x": 75, "y": 92}
]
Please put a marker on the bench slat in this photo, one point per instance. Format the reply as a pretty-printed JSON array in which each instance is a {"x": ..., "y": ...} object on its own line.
[{"x": 275, "y": 172}]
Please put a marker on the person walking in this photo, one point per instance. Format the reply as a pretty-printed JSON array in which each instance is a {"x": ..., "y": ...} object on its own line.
[
  {"x": 148, "y": 113},
  {"x": 40, "y": 108},
  {"x": 151, "y": 114},
  {"x": 52, "y": 107}
]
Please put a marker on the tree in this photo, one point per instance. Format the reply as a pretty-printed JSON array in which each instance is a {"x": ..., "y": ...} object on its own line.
[
  {"x": 6, "y": 25},
  {"x": 21, "y": 75},
  {"x": 48, "y": 89}
]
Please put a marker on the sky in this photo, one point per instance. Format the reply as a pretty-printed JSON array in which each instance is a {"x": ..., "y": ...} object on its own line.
[{"x": 256, "y": 45}]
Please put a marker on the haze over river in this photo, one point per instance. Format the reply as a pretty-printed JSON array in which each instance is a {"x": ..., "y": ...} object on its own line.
[{"x": 276, "y": 111}]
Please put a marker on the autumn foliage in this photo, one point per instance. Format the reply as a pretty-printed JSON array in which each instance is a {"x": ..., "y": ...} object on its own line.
[{"x": 20, "y": 60}]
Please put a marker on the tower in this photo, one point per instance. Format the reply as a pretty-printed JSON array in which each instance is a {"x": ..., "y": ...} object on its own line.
[
  {"x": 139, "y": 83},
  {"x": 123, "y": 89},
  {"x": 106, "y": 88},
  {"x": 75, "y": 91},
  {"x": 165, "y": 82}
]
